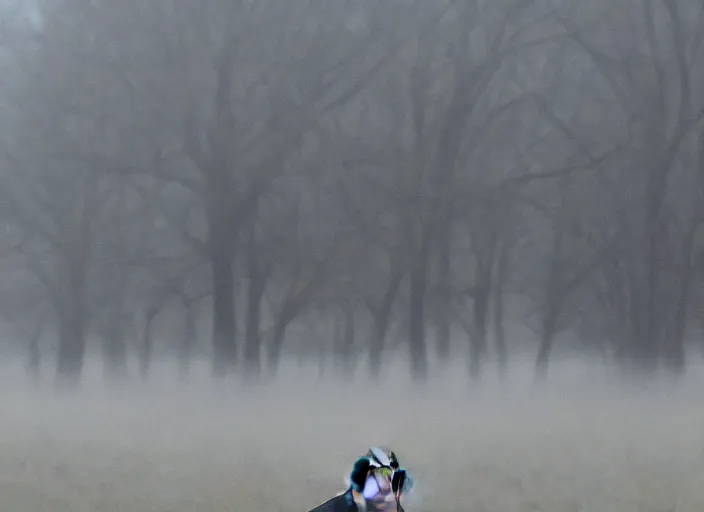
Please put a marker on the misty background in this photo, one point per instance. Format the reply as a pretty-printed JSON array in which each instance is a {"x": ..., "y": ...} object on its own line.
[
  {"x": 256, "y": 237},
  {"x": 351, "y": 183}
]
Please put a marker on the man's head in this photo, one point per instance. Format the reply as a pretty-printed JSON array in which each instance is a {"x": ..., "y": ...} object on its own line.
[{"x": 378, "y": 480}]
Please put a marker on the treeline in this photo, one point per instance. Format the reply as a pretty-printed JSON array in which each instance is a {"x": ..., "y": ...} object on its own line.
[{"x": 379, "y": 174}]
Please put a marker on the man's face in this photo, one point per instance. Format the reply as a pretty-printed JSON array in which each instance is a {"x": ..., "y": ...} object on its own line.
[{"x": 378, "y": 492}]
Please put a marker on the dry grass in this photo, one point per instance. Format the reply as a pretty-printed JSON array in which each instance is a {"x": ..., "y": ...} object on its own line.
[{"x": 289, "y": 447}]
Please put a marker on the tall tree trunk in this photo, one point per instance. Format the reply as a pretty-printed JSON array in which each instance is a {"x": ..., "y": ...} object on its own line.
[
  {"x": 554, "y": 296},
  {"x": 499, "y": 331},
  {"x": 289, "y": 310},
  {"x": 322, "y": 355},
  {"x": 147, "y": 348},
  {"x": 185, "y": 352},
  {"x": 649, "y": 324},
  {"x": 275, "y": 347},
  {"x": 419, "y": 278},
  {"x": 652, "y": 335},
  {"x": 33, "y": 361},
  {"x": 673, "y": 353},
  {"x": 222, "y": 261},
  {"x": 71, "y": 351},
  {"x": 641, "y": 351},
  {"x": 442, "y": 313},
  {"x": 480, "y": 322},
  {"x": 258, "y": 277},
  {"x": 382, "y": 318},
  {"x": 293, "y": 303},
  {"x": 252, "y": 350},
  {"x": 225, "y": 214},
  {"x": 345, "y": 343},
  {"x": 546, "y": 342}
]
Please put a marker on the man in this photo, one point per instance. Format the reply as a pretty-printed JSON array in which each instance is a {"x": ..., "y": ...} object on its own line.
[{"x": 377, "y": 482}]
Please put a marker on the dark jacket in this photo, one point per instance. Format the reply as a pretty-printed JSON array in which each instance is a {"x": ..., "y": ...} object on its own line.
[{"x": 343, "y": 503}]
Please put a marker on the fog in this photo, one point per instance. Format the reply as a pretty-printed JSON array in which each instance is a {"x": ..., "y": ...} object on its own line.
[
  {"x": 583, "y": 443},
  {"x": 241, "y": 241}
]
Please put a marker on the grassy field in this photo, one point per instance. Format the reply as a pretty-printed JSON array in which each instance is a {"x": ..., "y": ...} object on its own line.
[{"x": 289, "y": 446}]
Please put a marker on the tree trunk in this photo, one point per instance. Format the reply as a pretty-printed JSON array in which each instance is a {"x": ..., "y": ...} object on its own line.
[
  {"x": 185, "y": 352},
  {"x": 652, "y": 336},
  {"x": 275, "y": 347},
  {"x": 376, "y": 346},
  {"x": 293, "y": 304},
  {"x": 382, "y": 318},
  {"x": 673, "y": 353},
  {"x": 222, "y": 260},
  {"x": 554, "y": 296},
  {"x": 252, "y": 350},
  {"x": 442, "y": 318},
  {"x": 499, "y": 331},
  {"x": 546, "y": 342},
  {"x": 322, "y": 359},
  {"x": 634, "y": 322},
  {"x": 147, "y": 348},
  {"x": 288, "y": 312},
  {"x": 641, "y": 351},
  {"x": 648, "y": 325},
  {"x": 479, "y": 327},
  {"x": 419, "y": 270},
  {"x": 71, "y": 351},
  {"x": 33, "y": 362},
  {"x": 345, "y": 344}
]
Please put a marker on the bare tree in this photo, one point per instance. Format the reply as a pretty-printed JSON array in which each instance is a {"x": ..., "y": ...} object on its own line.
[{"x": 650, "y": 77}]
